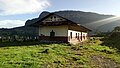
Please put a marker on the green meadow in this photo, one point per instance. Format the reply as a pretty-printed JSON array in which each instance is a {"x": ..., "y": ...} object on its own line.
[{"x": 88, "y": 55}]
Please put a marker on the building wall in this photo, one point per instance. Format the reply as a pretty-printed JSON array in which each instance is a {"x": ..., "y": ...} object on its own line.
[
  {"x": 77, "y": 36},
  {"x": 84, "y": 35},
  {"x": 61, "y": 33},
  {"x": 59, "y": 30}
]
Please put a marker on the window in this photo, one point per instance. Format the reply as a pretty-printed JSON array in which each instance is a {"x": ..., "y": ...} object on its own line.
[
  {"x": 51, "y": 18},
  {"x": 71, "y": 35},
  {"x": 81, "y": 36},
  {"x": 55, "y": 18},
  {"x": 52, "y": 34},
  {"x": 84, "y": 36},
  {"x": 76, "y": 35}
]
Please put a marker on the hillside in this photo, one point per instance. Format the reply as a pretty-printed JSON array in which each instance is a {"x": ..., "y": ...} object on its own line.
[
  {"x": 21, "y": 31},
  {"x": 88, "y": 55},
  {"x": 87, "y": 19},
  {"x": 95, "y": 22},
  {"x": 112, "y": 40}
]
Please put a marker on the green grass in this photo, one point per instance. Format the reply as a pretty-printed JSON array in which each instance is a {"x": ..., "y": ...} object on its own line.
[{"x": 86, "y": 55}]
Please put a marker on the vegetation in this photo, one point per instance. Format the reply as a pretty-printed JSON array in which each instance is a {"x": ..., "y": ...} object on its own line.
[
  {"x": 22, "y": 34},
  {"x": 87, "y": 55},
  {"x": 117, "y": 29},
  {"x": 112, "y": 39}
]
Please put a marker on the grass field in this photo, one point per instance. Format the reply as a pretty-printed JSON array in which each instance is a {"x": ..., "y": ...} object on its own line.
[{"x": 88, "y": 55}]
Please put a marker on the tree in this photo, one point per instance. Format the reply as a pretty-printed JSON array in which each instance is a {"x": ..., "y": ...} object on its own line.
[{"x": 116, "y": 29}]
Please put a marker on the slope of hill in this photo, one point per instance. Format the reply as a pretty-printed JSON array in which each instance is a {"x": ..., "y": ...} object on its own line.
[
  {"x": 90, "y": 55},
  {"x": 95, "y": 22},
  {"x": 43, "y": 14},
  {"x": 112, "y": 40},
  {"x": 22, "y": 31}
]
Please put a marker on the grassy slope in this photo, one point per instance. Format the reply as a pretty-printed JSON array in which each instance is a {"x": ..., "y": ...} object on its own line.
[{"x": 87, "y": 55}]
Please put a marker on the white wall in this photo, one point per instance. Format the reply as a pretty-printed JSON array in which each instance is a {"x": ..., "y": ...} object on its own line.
[
  {"x": 73, "y": 33},
  {"x": 75, "y": 40},
  {"x": 59, "y": 30},
  {"x": 84, "y": 34}
]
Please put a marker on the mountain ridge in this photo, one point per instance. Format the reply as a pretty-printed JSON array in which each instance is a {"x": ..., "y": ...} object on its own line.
[
  {"x": 83, "y": 18},
  {"x": 77, "y": 16}
]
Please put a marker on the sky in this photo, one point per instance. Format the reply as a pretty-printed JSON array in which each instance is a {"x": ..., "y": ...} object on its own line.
[{"x": 14, "y": 13}]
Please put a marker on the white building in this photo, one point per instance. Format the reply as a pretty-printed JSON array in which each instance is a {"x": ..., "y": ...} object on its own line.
[{"x": 56, "y": 28}]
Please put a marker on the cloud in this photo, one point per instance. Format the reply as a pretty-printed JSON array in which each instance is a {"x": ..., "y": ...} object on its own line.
[
  {"x": 11, "y": 23},
  {"x": 12, "y": 7}
]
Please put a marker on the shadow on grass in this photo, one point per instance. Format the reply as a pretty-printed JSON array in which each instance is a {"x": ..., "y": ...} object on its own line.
[
  {"x": 112, "y": 40},
  {"x": 28, "y": 43},
  {"x": 16, "y": 43}
]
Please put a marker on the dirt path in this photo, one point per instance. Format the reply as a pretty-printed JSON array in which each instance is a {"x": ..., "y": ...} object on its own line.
[{"x": 101, "y": 62}]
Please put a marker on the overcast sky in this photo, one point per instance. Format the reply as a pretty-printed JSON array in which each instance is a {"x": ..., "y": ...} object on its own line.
[{"x": 14, "y": 13}]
